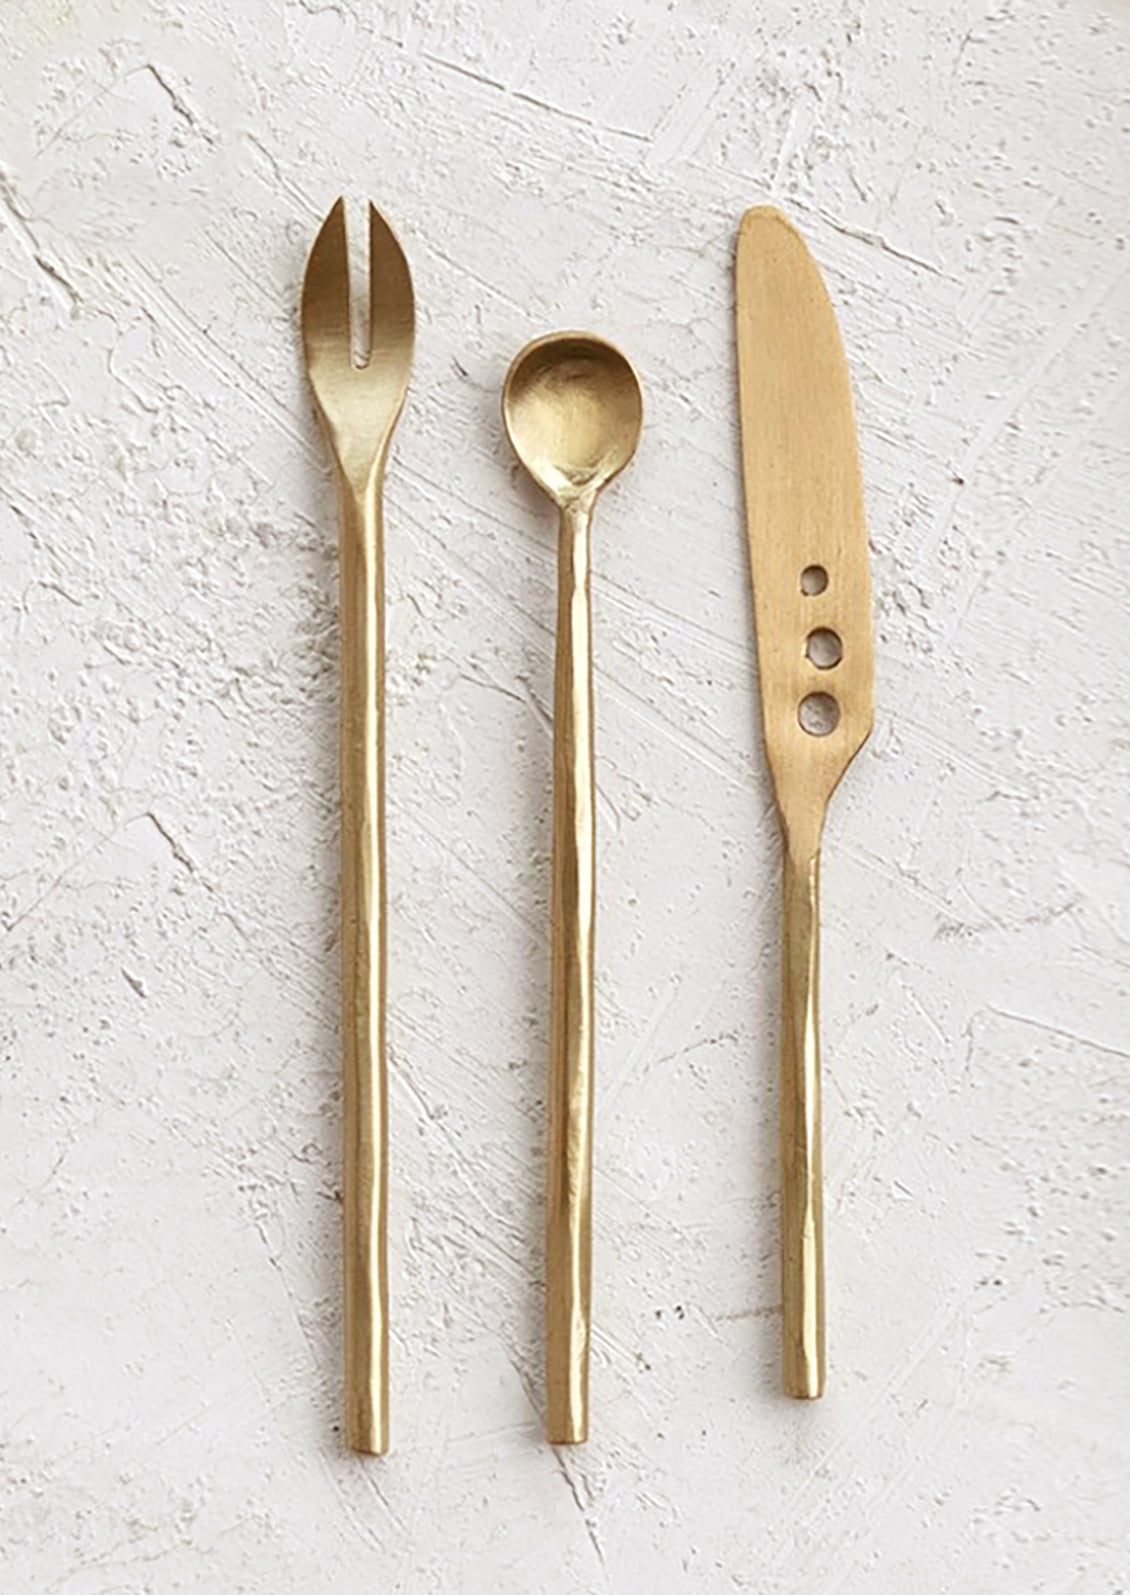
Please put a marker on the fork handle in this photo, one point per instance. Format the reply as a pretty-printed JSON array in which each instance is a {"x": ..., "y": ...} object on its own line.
[
  {"x": 802, "y": 1202},
  {"x": 569, "y": 1158},
  {"x": 365, "y": 1086}
]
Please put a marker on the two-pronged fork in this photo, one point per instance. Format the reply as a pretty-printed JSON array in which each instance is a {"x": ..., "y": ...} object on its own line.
[{"x": 359, "y": 406}]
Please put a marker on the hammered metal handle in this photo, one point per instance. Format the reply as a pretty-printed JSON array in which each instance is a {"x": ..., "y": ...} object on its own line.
[
  {"x": 363, "y": 952},
  {"x": 802, "y": 1206},
  {"x": 569, "y": 1162}
]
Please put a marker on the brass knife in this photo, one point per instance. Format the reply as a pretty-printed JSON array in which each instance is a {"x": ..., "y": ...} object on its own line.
[{"x": 812, "y": 606}]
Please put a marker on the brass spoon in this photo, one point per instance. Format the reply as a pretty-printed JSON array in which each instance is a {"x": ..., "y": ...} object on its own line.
[{"x": 573, "y": 410}]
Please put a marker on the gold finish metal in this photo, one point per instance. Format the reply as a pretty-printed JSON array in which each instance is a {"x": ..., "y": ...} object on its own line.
[
  {"x": 573, "y": 409},
  {"x": 359, "y": 406},
  {"x": 812, "y": 600}
]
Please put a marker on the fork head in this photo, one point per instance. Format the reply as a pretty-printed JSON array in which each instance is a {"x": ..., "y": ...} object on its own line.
[{"x": 359, "y": 405}]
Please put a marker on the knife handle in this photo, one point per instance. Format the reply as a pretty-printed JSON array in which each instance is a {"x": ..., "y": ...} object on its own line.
[
  {"x": 364, "y": 1080},
  {"x": 569, "y": 1157},
  {"x": 802, "y": 1203}
]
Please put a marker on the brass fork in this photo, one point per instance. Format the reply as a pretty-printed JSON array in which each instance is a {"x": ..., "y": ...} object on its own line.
[{"x": 359, "y": 407}]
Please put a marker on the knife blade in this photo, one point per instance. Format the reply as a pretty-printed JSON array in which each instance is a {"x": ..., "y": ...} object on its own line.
[{"x": 812, "y": 610}]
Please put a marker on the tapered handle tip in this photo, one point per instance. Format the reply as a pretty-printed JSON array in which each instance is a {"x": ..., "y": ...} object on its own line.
[
  {"x": 567, "y": 1431},
  {"x": 369, "y": 1443},
  {"x": 366, "y": 1422},
  {"x": 804, "y": 1376}
]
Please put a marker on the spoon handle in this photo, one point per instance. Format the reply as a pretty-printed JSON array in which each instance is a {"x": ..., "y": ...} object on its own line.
[
  {"x": 802, "y": 1204},
  {"x": 365, "y": 1088},
  {"x": 569, "y": 1162}
]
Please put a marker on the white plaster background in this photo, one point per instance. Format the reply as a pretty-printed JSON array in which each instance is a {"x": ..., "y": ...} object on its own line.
[{"x": 169, "y": 1310}]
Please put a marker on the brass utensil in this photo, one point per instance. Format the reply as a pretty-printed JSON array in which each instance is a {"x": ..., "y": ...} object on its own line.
[
  {"x": 359, "y": 406},
  {"x": 573, "y": 409},
  {"x": 812, "y": 600}
]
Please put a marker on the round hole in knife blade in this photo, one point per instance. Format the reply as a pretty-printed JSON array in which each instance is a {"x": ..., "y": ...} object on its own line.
[
  {"x": 823, "y": 648},
  {"x": 813, "y": 580},
  {"x": 819, "y": 714}
]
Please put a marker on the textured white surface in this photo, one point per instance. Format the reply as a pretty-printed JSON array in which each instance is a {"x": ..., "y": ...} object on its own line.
[{"x": 169, "y": 1310}]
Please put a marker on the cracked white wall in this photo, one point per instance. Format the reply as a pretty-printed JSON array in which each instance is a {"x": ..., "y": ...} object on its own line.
[{"x": 169, "y": 1309}]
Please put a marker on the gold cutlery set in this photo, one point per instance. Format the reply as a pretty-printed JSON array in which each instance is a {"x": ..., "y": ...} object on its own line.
[{"x": 573, "y": 410}]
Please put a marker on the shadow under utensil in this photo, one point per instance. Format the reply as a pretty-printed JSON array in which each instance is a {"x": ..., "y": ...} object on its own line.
[
  {"x": 764, "y": 1001},
  {"x": 761, "y": 1079},
  {"x": 535, "y": 593},
  {"x": 323, "y": 1081}
]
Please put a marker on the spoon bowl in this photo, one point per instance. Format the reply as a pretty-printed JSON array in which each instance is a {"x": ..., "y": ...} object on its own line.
[{"x": 573, "y": 408}]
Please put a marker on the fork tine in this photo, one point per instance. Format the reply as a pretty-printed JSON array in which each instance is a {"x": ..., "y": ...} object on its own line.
[
  {"x": 325, "y": 297},
  {"x": 392, "y": 310}
]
